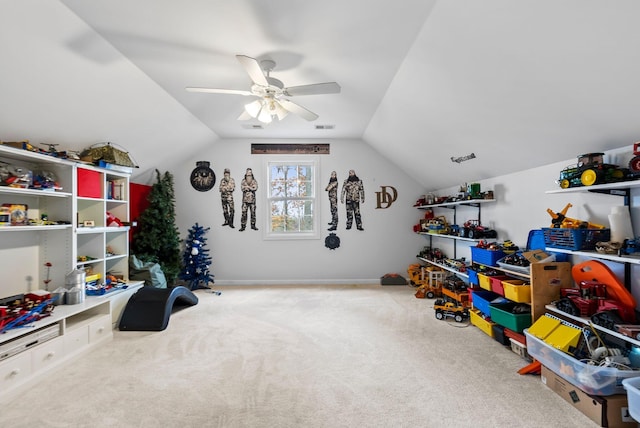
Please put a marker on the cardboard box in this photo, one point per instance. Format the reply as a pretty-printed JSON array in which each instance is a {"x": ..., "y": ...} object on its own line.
[
  {"x": 535, "y": 256},
  {"x": 611, "y": 411}
]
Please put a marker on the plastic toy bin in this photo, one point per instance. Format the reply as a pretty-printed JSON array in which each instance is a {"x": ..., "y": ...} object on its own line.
[
  {"x": 632, "y": 385},
  {"x": 483, "y": 324},
  {"x": 594, "y": 380},
  {"x": 575, "y": 239},
  {"x": 481, "y": 300},
  {"x": 486, "y": 257},
  {"x": 502, "y": 314},
  {"x": 496, "y": 284},
  {"x": 473, "y": 276},
  {"x": 517, "y": 290}
]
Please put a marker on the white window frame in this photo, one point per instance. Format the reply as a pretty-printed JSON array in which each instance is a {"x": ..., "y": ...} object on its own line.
[{"x": 314, "y": 162}]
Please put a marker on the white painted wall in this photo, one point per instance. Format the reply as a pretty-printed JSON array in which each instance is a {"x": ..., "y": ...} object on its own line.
[{"x": 387, "y": 245}]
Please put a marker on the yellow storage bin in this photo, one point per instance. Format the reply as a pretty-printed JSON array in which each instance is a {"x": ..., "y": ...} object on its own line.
[
  {"x": 544, "y": 326},
  {"x": 484, "y": 281},
  {"x": 564, "y": 338},
  {"x": 517, "y": 290},
  {"x": 485, "y": 325}
]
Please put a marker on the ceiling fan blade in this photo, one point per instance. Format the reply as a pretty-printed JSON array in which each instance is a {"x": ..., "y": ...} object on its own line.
[
  {"x": 298, "y": 109},
  {"x": 313, "y": 89},
  {"x": 219, "y": 91},
  {"x": 252, "y": 66}
]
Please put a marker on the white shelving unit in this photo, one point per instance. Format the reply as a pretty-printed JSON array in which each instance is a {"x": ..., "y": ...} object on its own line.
[
  {"x": 102, "y": 247},
  {"x": 29, "y": 351}
]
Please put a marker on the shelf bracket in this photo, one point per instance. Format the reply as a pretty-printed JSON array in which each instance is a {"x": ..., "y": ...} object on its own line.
[{"x": 626, "y": 193}]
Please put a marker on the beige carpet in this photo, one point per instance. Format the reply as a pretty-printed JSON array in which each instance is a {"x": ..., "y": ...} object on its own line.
[{"x": 306, "y": 356}]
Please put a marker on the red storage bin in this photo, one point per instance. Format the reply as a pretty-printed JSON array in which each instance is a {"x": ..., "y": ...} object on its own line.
[
  {"x": 496, "y": 284},
  {"x": 89, "y": 183}
]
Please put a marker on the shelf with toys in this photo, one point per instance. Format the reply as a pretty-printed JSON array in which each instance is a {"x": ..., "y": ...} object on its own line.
[
  {"x": 616, "y": 243},
  {"x": 438, "y": 227}
]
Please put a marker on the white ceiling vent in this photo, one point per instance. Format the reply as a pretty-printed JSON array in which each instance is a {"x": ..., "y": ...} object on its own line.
[
  {"x": 252, "y": 126},
  {"x": 325, "y": 126}
]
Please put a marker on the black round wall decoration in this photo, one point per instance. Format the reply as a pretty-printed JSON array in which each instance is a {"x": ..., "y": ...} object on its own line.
[
  {"x": 202, "y": 177},
  {"x": 332, "y": 241}
]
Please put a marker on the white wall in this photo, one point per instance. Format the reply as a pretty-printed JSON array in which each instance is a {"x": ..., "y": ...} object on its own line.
[{"x": 387, "y": 245}]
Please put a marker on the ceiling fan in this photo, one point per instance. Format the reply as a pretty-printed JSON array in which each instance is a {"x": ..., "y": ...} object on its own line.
[{"x": 272, "y": 93}]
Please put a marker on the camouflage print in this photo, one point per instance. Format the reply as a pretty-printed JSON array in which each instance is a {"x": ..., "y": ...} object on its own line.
[
  {"x": 332, "y": 188},
  {"x": 248, "y": 188},
  {"x": 353, "y": 210},
  {"x": 352, "y": 195},
  {"x": 227, "y": 186}
]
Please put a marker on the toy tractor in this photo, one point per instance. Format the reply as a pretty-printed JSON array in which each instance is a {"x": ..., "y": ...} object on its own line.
[
  {"x": 591, "y": 170},
  {"x": 634, "y": 163},
  {"x": 591, "y": 300},
  {"x": 472, "y": 229}
]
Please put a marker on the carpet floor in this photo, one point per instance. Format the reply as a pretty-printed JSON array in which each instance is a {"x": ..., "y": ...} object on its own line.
[{"x": 297, "y": 356}]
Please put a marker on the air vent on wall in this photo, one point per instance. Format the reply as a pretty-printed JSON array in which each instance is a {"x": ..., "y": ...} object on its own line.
[
  {"x": 252, "y": 126},
  {"x": 325, "y": 126}
]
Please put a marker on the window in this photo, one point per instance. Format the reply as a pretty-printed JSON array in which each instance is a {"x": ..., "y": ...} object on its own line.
[{"x": 291, "y": 199}]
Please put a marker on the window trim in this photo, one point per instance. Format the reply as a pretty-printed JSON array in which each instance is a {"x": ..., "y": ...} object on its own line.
[{"x": 314, "y": 161}]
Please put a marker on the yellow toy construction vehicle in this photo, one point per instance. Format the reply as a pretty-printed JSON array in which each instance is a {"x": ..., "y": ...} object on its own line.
[{"x": 561, "y": 221}]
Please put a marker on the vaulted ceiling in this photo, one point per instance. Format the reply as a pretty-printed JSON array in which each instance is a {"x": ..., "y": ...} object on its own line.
[{"x": 518, "y": 84}]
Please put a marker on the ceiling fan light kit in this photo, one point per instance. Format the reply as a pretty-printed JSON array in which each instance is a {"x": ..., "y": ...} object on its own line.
[{"x": 271, "y": 93}]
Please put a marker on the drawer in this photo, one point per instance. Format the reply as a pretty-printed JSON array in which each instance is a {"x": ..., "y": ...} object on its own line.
[
  {"x": 47, "y": 354},
  {"x": 75, "y": 340},
  {"x": 100, "y": 329},
  {"x": 15, "y": 370}
]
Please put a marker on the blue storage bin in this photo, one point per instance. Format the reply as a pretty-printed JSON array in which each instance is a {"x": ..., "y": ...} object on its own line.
[
  {"x": 481, "y": 300},
  {"x": 486, "y": 257},
  {"x": 536, "y": 241},
  {"x": 473, "y": 276}
]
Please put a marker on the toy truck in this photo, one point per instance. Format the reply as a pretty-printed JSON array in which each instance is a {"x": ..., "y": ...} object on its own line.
[
  {"x": 450, "y": 310},
  {"x": 428, "y": 279},
  {"x": 461, "y": 298}
]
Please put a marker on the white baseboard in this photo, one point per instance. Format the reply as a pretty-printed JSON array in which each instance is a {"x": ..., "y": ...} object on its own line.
[{"x": 221, "y": 282}]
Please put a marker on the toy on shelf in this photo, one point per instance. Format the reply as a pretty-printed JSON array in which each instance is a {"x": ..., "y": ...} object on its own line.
[
  {"x": 634, "y": 163},
  {"x": 591, "y": 170},
  {"x": 473, "y": 229},
  {"x": 599, "y": 295},
  {"x": 560, "y": 220}
]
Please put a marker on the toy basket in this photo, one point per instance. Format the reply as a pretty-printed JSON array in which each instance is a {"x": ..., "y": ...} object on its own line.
[{"x": 575, "y": 239}]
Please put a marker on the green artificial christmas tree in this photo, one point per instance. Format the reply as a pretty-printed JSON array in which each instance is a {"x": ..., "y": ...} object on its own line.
[
  {"x": 196, "y": 259},
  {"x": 156, "y": 238}
]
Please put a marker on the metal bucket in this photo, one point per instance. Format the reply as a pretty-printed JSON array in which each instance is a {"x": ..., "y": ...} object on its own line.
[
  {"x": 75, "y": 285},
  {"x": 74, "y": 296}
]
